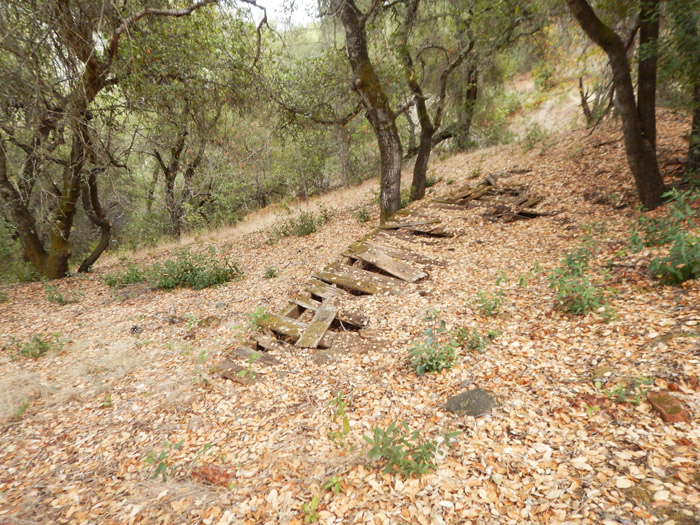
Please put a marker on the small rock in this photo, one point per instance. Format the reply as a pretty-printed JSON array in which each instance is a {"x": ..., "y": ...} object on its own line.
[
  {"x": 211, "y": 321},
  {"x": 670, "y": 408},
  {"x": 473, "y": 402},
  {"x": 220, "y": 306}
]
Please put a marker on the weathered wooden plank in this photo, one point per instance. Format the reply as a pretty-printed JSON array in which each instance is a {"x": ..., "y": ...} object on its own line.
[
  {"x": 266, "y": 342},
  {"x": 391, "y": 251},
  {"x": 307, "y": 302},
  {"x": 248, "y": 354},
  {"x": 292, "y": 310},
  {"x": 291, "y": 328},
  {"x": 318, "y": 326},
  {"x": 359, "y": 280},
  {"x": 383, "y": 261},
  {"x": 391, "y": 225},
  {"x": 325, "y": 290}
]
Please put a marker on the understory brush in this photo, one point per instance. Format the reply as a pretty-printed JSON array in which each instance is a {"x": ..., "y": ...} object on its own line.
[
  {"x": 405, "y": 450},
  {"x": 193, "y": 270},
  {"x": 436, "y": 352},
  {"x": 302, "y": 225},
  {"x": 37, "y": 346},
  {"x": 678, "y": 228},
  {"x": 578, "y": 289}
]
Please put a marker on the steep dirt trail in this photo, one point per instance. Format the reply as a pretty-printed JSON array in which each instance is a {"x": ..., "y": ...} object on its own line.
[{"x": 110, "y": 397}]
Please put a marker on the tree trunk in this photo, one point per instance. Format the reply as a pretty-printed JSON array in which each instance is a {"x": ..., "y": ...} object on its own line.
[
  {"x": 420, "y": 168},
  {"x": 646, "y": 72},
  {"x": 342, "y": 138},
  {"x": 466, "y": 114},
  {"x": 95, "y": 212},
  {"x": 641, "y": 156},
  {"x": 376, "y": 105},
  {"x": 692, "y": 165}
]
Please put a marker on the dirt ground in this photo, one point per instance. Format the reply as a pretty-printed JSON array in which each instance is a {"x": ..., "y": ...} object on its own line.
[{"x": 136, "y": 373}]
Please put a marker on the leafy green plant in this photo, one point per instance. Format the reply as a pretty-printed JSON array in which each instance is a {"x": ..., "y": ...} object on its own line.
[
  {"x": 193, "y": 270},
  {"x": 54, "y": 295},
  {"x": 404, "y": 449},
  {"x": 191, "y": 321},
  {"x": 473, "y": 340},
  {"x": 534, "y": 134},
  {"x": 340, "y": 413},
  {"x": 433, "y": 355},
  {"x": 682, "y": 262},
  {"x": 363, "y": 213},
  {"x": 248, "y": 372},
  {"x": 431, "y": 180},
  {"x": 34, "y": 348},
  {"x": 310, "y": 510},
  {"x": 489, "y": 303},
  {"x": 271, "y": 272},
  {"x": 22, "y": 408},
  {"x": 576, "y": 292},
  {"x": 159, "y": 462},
  {"x": 630, "y": 391},
  {"x": 304, "y": 224},
  {"x": 132, "y": 274},
  {"x": 255, "y": 317},
  {"x": 3, "y": 297},
  {"x": 333, "y": 484}
]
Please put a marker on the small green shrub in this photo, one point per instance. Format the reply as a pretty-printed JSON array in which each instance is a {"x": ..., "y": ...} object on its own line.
[
  {"x": 362, "y": 213},
  {"x": 54, "y": 295},
  {"x": 34, "y": 348},
  {"x": 433, "y": 355},
  {"x": 576, "y": 293},
  {"x": 3, "y": 297},
  {"x": 473, "y": 340},
  {"x": 431, "y": 180},
  {"x": 132, "y": 274},
  {"x": 682, "y": 262},
  {"x": 304, "y": 224},
  {"x": 489, "y": 303},
  {"x": 310, "y": 511},
  {"x": 534, "y": 134},
  {"x": 193, "y": 270},
  {"x": 339, "y": 413},
  {"x": 271, "y": 272},
  {"x": 159, "y": 462},
  {"x": 405, "y": 450}
]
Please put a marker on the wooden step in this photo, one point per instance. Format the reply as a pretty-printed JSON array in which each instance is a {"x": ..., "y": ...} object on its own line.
[
  {"x": 291, "y": 328},
  {"x": 318, "y": 326},
  {"x": 325, "y": 290},
  {"x": 393, "y": 225},
  {"x": 378, "y": 257},
  {"x": 396, "y": 253},
  {"x": 359, "y": 280}
]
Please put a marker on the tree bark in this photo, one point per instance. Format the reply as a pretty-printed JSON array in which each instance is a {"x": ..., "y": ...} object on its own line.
[
  {"x": 343, "y": 139},
  {"x": 692, "y": 164},
  {"x": 466, "y": 114},
  {"x": 376, "y": 105},
  {"x": 95, "y": 212},
  {"x": 641, "y": 156},
  {"x": 646, "y": 70}
]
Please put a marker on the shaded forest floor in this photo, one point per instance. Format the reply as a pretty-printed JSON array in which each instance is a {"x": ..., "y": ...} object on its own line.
[{"x": 137, "y": 372}]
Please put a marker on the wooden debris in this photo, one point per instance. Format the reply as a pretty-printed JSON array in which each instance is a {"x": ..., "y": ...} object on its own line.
[
  {"x": 359, "y": 280},
  {"x": 247, "y": 354},
  {"x": 291, "y": 328},
  {"x": 318, "y": 326},
  {"x": 376, "y": 256},
  {"x": 325, "y": 290},
  {"x": 393, "y": 225}
]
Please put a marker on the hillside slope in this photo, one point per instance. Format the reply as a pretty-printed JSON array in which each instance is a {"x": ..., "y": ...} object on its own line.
[{"x": 136, "y": 374}]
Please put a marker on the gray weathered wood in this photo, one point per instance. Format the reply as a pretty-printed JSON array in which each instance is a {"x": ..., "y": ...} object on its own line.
[
  {"x": 377, "y": 257},
  {"x": 291, "y": 328},
  {"x": 359, "y": 280},
  {"x": 325, "y": 290},
  {"x": 397, "y": 225},
  {"x": 318, "y": 326}
]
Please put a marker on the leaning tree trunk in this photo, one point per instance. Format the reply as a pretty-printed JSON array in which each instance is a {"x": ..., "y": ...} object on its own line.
[
  {"x": 641, "y": 156},
  {"x": 376, "y": 105},
  {"x": 646, "y": 71},
  {"x": 342, "y": 138},
  {"x": 95, "y": 212},
  {"x": 420, "y": 168},
  {"x": 466, "y": 113},
  {"x": 692, "y": 165}
]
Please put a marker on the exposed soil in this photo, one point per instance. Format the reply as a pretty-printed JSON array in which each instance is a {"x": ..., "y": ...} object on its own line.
[{"x": 137, "y": 370}]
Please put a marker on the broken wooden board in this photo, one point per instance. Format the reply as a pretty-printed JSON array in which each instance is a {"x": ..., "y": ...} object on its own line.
[
  {"x": 325, "y": 290},
  {"x": 376, "y": 256},
  {"x": 359, "y": 280},
  {"x": 291, "y": 328},
  {"x": 398, "y": 253},
  {"x": 318, "y": 326},
  {"x": 346, "y": 319},
  {"x": 265, "y": 342},
  {"x": 393, "y": 225}
]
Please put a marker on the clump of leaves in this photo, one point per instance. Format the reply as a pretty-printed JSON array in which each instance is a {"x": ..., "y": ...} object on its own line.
[
  {"x": 404, "y": 449},
  {"x": 577, "y": 293},
  {"x": 310, "y": 510},
  {"x": 340, "y": 406},
  {"x": 159, "y": 462},
  {"x": 34, "y": 348},
  {"x": 630, "y": 391},
  {"x": 334, "y": 484},
  {"x": 54, "y": 295},
  {"x": 132, "y": 274},
  {"x": 473, "y": 340},
  {"x": 194, "y": 270},
  {"x": 489, "y": 303},
  {"x": 3, "y": 297},
  {"x": 436, "y": 352},
  {"x": 683, "y": 259},
  {"x": 431, "y": 180},
  {"x": 363, "y": 213},
  {"x": 304, "y": 224},
  {"x": 271, "y": 272},
  {"x": 255, "y": 317}
]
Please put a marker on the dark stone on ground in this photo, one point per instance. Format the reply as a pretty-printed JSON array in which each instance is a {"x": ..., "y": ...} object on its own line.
[{"x": 475, "y": 402}]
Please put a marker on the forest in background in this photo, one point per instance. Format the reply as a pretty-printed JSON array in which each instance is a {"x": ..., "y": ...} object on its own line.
[{"x": 124, "y": 124}]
